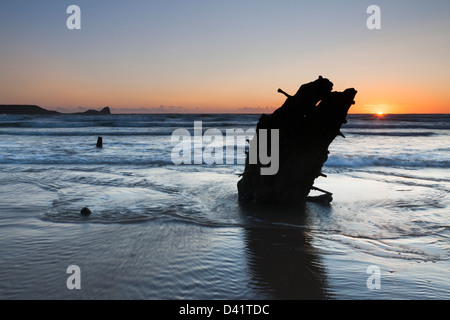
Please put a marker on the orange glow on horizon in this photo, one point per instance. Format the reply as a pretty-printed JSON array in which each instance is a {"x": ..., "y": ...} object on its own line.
[
  {"x": 142, "y": 66},
  {"x": 219, "y": 97}
]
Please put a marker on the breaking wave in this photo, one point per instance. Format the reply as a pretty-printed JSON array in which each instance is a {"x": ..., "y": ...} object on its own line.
[{"x": 409, "y": 161}]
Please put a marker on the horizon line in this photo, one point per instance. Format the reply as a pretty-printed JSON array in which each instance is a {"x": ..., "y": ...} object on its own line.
[{"x": 152, "y": 111}]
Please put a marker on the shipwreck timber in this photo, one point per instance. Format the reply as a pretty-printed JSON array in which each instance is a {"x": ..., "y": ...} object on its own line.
[{"x": 308, "y": 122}]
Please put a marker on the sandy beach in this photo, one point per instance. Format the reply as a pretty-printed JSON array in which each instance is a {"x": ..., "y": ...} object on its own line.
[{"x": 162, "y": 231}]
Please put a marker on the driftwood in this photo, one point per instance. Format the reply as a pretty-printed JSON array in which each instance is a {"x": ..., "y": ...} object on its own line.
[{"x": 308, "y": 122}]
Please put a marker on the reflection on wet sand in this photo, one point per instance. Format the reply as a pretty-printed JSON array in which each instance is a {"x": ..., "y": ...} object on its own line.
[{"x": 282, "y": 262}]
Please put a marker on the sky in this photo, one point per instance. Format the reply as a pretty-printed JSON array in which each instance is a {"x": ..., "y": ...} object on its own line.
[{"x": 145, "y": 56}]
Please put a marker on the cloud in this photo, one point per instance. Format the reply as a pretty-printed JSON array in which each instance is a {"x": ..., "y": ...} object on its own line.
[
  {"x": 182, "y": 109},
  {"x": 160, "y": 109},
  {"x": 169, "y": 109},
  {"x": 255, "y": 110}
]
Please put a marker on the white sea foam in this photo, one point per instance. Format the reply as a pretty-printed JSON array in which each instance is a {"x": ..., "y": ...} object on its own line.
[{"x": 158, "y": 230}]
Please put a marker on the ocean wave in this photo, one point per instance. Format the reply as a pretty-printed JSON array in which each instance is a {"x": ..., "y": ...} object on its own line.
[
  {"x": 92, "y": 124},
  {"x": 333, "y": 162},
  {"x": 166, "y": 132},
  {"x": 369, "y": 126},
  {"x": 121, "y": 133},
  {"x": 393, "y": 133},
  {"x": 426, "y": 117},
  {"x": 372, "y": 161},
  {"x": 138, "y": 161},
  {"x": 126, "y": 121}
]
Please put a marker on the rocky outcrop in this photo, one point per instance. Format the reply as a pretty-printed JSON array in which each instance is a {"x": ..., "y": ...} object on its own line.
[
  {"x": 308, "y": 122},
  {"x": 104, "y": 111},
  {"x": 25, "y": 109},
  {"x": 32, "y": 109}
]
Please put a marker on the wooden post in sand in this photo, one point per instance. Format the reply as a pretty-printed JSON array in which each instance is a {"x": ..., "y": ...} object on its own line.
[{"x": 100, "y": 142}]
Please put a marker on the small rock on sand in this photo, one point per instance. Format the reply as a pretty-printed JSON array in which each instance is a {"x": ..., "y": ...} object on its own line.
[{"x": 85, "y": 211}]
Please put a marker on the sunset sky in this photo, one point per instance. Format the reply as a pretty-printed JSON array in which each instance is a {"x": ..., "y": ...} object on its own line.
[{"x": 223, "y": 55}]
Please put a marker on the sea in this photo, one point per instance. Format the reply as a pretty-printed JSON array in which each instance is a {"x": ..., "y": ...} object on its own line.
[{"x": 165, "y": 231}]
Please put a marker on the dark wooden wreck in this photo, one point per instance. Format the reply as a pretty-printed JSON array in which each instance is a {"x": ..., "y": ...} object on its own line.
[{"x": 308, "y": 122}]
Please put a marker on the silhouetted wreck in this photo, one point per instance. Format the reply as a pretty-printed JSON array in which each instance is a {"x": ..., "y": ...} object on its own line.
[{"x": 308, "y": 122}]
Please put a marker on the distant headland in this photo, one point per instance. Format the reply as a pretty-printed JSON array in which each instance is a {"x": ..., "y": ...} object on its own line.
[{"x": 20, "y": 109}]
